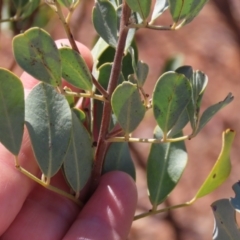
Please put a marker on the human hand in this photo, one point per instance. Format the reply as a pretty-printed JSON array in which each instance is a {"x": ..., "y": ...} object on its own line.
[{"x": 29, "y": 211}]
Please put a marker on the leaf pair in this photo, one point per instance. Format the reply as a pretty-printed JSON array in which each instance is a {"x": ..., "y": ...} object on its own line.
[
  {"x": 177, "y": 100},
  {"x": 58, "y": 136},
  {"x": 36, "y": 52},
  {"x": 166, "y": 163}
]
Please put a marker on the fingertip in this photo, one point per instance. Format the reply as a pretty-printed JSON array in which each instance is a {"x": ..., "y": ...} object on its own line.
[{"x": 110, "y": 211}]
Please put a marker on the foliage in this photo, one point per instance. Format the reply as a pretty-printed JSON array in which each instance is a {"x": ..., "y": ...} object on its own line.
[{"x": 62, "y": 136}]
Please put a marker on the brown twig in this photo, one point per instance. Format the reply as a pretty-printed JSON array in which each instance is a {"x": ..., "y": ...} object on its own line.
[{"x": 107, "y": 110}]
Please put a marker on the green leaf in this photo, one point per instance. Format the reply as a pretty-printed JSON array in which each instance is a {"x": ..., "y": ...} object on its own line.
[
  {"x": 11, "y": 111},
  {"x": 20, "y": 3},
  {"x": 185, "y": 10},
  {"x": 105, "y": 21},
  {"x": 143, "y": 7},
  {"x": 171, "y": 95},
  {"x": 225, "y": 227},
  {"x": 159, "y": 7},
  {"x": 75, "y": 70},
  {"x": 114, "y": 3},
  {"x": 49, "y": 123},
  {"x": 187, "y": 71},
  {"x": 173, "y": 63},
  {"x": 68, "y": 3},
  {"x": 127, "y": 106},
  {"x": 37, "y": 54},
  {"x": 118, "y": 158},
  {"x": 79, "y": 159},
  {"x": 79, "y": 114},
  {"x": 211, "y": 111},
  {"x": 198, "y": 81},
  {"x": 28, "y": 8},
  {"x": 104, "y": 75},
  {"x": 142, "y": 72},
  {"x": 107, "y": 56},
  {"x": 236, "y": 201},
  {"x": 221, "y": 168},
  {"x": 70, "y": 98},
  {"x": 180, "y": 124},
  {"x": 166, "y": 163}
]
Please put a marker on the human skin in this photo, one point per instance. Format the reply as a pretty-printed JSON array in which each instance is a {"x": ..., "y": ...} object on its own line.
[{"x": 29, "y": 211}]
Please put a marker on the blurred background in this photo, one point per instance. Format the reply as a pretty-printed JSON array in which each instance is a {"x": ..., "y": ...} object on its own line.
[{"x": 211, "y": 43}]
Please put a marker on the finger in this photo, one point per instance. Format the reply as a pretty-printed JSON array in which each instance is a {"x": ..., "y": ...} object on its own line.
[
  {"x": 109, "y": 212},
  {"x": 14, "y": 186},
  {"x": 44, "y": 215}
]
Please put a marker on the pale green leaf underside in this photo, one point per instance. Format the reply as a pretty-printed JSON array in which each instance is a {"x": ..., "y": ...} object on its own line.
[
  {"x": 11, "y": 111},
  {"x": 75, "y": 70},
  {"x": 166, "y": 163},
  {"x": 105, "y": 21},
  {"x": 236, "y": 200},
  {"x": 37, "y": 54},
  {"x": 49, "y": 121},
  {"x": 79, "y": 159},
  {"x": 118, "y": 158},
  {"x": 221, "y": 168},
  {"x": 225, "y": 221},
  {"x": 127, "y": 106}
]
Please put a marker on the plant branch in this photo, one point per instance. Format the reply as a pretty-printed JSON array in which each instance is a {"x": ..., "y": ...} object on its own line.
[
  {"x": 46, "y": 185},
  {"x": 85, "y": 95},
  {"x": 147, "y": 140},
  {"x": 153, "y": 27},
  {"x": 100, "y": 88},
  {"x": 66, "y": 27},
  {"x": 107, "y": 110},
  {"x": 142, "y": 215}
]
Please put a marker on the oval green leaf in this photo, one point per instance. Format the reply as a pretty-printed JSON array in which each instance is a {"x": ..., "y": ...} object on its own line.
[
  {"x": 180, "y": 124},
  {"x": 225, "y": 227},
  {"x": 27, "y": 9},
  {"x": 221, "y": 168},
  {"x": 11, "y": 111},
  {"x": 49, "y": 122},
  {"x": 166, "y": 163},
  {"x": 37, "y": 54},
  {"x": 211, "y": 111},
  {"x": 185, "y": 10},
  {"x": 79, "y": 159},
  {"x": 105, "y": 21},
  {"x": 80, "y": 114},
  {"x": 118, "y": 158},
  {"x": 127, "y": 106},
  {"x": 75, "y": 70},
  {"x": 198, "y": 81},
  {"x": 171, "y": 95},
  {"x": 142, "y": 7},
  {"x": 142, "y": 72}
]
